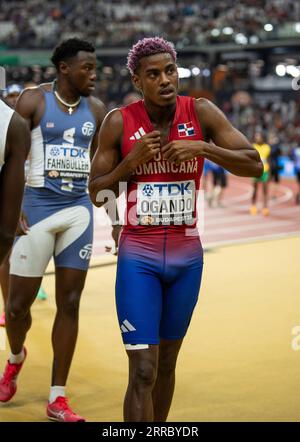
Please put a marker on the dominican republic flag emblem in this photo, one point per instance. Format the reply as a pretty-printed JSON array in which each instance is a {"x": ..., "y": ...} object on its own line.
[{"x": 186, "y": 129}]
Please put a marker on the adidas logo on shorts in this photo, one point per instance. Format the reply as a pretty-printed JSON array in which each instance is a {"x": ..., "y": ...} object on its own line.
[{"x": 127, "y": 327}]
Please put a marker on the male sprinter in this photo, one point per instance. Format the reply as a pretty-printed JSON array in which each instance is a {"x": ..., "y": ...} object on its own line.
[
  {"x": 158, "y": 146},
  {"x": 64, "y": 121},
  {"x": 14, "y": 148},
  {"x": 10, "y": 96}
]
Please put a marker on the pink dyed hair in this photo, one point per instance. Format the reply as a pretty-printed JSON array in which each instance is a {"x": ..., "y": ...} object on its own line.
[{"x": 146, "y": 47}]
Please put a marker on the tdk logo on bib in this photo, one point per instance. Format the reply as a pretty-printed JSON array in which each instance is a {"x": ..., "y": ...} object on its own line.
[
  {"x": 72, "y": 152},
  {"x": 167, "y": 189},
  {"x": 173, "y": 189},
  {"x": 166, "y": 202},
  {"x": 55, "y": 151},
  {"x": 66, "y": 161},
  {"x": 88, "y": 128},
  {"x": 148, "y": 190}
]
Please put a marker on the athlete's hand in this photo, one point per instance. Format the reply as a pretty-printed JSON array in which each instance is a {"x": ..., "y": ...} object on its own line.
[
  {"x": 144, "y": 149},
  {"x": 181, "y": 150},
  {"x": 23, "y": 226}
]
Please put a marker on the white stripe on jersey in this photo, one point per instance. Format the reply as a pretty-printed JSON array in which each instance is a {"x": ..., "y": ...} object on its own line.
[
  {"x": 6, "y": 114},
  {"x": 36, "y": 159}
]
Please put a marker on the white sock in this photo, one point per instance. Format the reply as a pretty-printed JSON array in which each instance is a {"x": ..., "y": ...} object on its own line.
[
  {"x": 17, "y": 359},
  {"x": 55, "y": 391}
]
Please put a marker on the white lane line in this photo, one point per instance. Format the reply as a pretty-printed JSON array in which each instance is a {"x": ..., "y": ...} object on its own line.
[
  {"x": 287, "y": 195},
  {"x": 244, "y": 197},
  {"x": 223, "y": 218},
  {"x": 250, "y": 239},
  {"x": 212, "y": 213},
  {"x": 238, "y": 229}
]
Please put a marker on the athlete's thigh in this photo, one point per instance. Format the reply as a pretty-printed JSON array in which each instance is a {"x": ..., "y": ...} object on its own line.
[
  {"x": 22, "y": 291},
  {"x": 181, "y": 290},
  {"x": 73, "y": 247},
  {"x": 69, "y": 284},
  {"x": 32, "y": 252},
  {"x": 138, "y": 297}
]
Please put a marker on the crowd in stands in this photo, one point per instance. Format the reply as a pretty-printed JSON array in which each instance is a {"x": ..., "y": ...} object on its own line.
[
  {"x": 277, "y": 118},
  {"x": 116, "y": 23}
]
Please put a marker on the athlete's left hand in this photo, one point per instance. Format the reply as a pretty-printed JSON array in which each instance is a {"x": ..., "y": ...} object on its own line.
[
  {"x": 23, "y": 226},
  {"x": 181, "y": 150}
]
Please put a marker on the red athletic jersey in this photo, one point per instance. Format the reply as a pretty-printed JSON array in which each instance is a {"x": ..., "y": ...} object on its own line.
[{"x": 161, "y": 193}]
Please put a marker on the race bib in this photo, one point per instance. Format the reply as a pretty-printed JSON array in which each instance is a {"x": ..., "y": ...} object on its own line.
[
  {"x": 66, "y": 161},
  {"x": 169, "y": 203}
]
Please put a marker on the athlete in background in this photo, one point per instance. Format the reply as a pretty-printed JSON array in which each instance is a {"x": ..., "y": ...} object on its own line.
[
  {"x": 264, "y": 151},
  {"x": 215, "y": 198},
  {"x": 275, "y": 166},
  {"x": 157, "y": 146},
  {"x": 11, "y": 95},
  {"x": 14, "y": 148},
  {"x": 64, "y": 121},
  {"x": 295, "y": 157}
]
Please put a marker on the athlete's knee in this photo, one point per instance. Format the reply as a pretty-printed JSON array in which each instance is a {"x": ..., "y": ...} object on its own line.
[
  {"x": 167, "y": 367},
  {"x": 145, "y": 374},
  {"x": 70, "y": 304},
  {"x": 16, "y": 308}
]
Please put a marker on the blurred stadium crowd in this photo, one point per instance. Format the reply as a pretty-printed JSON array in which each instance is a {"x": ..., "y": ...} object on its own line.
[
  {"x": 254, "y": 90},
  {"x": 275, "y": 118},
  {"x": 26, "y": 24}
]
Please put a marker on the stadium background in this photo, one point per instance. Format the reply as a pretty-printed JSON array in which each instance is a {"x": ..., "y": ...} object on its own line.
[{"x": 240, "y": 361}]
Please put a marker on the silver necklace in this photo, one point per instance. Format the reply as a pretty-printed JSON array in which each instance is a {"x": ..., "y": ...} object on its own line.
[{"x": 68, "y": 105}]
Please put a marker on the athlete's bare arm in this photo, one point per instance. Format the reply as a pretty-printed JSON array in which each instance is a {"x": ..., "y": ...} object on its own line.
[
  {"x": 31, "y": 105},
  {"x": 12, "y": 181},
  {"x": 108, "y": 169},
  {"x": 229, "y": 147}
]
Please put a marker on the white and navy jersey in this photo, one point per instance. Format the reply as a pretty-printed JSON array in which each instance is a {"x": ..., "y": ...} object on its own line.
[
  {"x": 6, "y": 114},
  {"x": 60, "y": 148}
]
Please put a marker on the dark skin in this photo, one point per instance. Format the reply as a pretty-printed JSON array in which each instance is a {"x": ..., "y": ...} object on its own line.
[
  {"x": 22, "y": 228},
  {"x": 12, "y": 182},
  {"x": 11, "y": 99},
  {"x": 152, "y": 371},
  {"x": 76, "y": 77}
]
